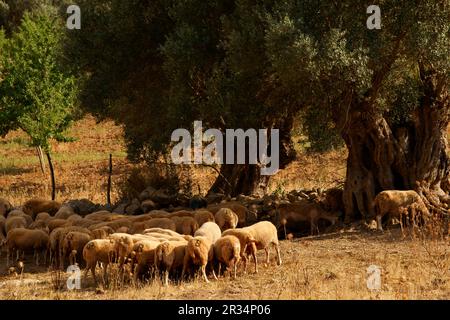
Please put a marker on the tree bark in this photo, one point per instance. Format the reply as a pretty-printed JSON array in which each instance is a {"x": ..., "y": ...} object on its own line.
[
  {"x": 41, "y": 159},
  {"x": 52, "y": 175},
  {"x": 388, "y": 157},
  {"x": 108, "y": 192}
]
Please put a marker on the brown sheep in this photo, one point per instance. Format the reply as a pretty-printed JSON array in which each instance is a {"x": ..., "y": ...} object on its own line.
[
  {"x": 123, "y": 230},
  {"x": 227, "y": 251},
  {"x": 42, "y": 216},
  {"x": 226, "y": 219},
  {"x": 2, "y": 232},
  {"x": 203, "y": 216},
  {"x": 15, "y": 223},
  {"x": 145, "y": 256},
  {"x": 199, "y": 251},
  {"x": 102, "y": 232},
  {"x": 73, "y": 241},
  {"x": 247, "y": 244},
  {"x": 55, "y": 240},
  {"x": 5, "y": 207},
  {"x": 20, "y": 213},
  {"x": 163, "y": 223},
  {"x": 169, "y": 257},
  {"x": 41, "y": 225},
  {"x": 246, "y": 217},
  {"x": 85, "y": 223},
  {"x": 99, "y": 250},
  {"x": 185, "y": 225},
  {"x": 34, "y": 206},
  {"x": 291, "y": 214},
  {"x": 74, "y": 217},
  {"x": 391, "y": 203},
  {"x": 265, "y": 234},
  {"x": 58, "y": 223},
  {"x": 64, "y": 212},
  {"x": 23, "y": 239}
]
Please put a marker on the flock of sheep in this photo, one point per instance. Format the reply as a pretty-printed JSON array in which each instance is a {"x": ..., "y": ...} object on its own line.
[{"x": 174, "y": 245}]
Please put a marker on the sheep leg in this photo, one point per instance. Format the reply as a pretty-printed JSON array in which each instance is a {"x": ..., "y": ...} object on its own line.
[
  {"x": 267, "y": 250},
  {"x": 17, "y": 255},
  {"x": 219, "y": 269},
  {"x": 37, "y": 256},
  {"x": 105, "y": 274},
  {"x": 204, "y": 273},
  {"x": 214, "y": 274},
  {"x": 256, "y": 261},
  {"x": 166, "y": 277},
  {"x": 277, "y": 247},
  {"x": 7, "y": 256},
  {"x": 185, "y": 263},
  {"x": 379, "y": 225},
  {"x": 235, "y": 268}
]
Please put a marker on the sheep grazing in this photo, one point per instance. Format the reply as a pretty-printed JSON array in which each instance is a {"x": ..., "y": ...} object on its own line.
[
  {"x": 102, "y": 232},
  {"x": 203, "y": 216},
  {"x": 163, "y": 223},
  {"x": 226, "y": 219},
  {"x": 58, "y": 223},
  {"x": 23, "y": 240},
  {"x": 169, "y": 257},
  {"x": 247, "y": 244},
  {"x": 185, "y": 225},
  {"x": 245, "y": 216},
  {"x": 144, "y": 256},
  {"x": 227, "y": 251},
  {"x": 64, "y": 212},
  {"x": 56, "y": 237},
  {"x": 34, "y": 206},
  {"x": 42, "y": 216},
  {"x": 15, "y": 223},
  {"x": 5, "y": 207},
  {"x": 20, "y": 213},
  {"x": 265, "y": 234},
  {"x": 99, "y": 250},
  {"x": 199, "y": 252},
  {"x": 291, "y": 214},
  {"x": 73, "y": 241},
  {"x": 209, "y": 230},
  {"x": 391, "y": 202},
  {"x": 124, "y": 246}
]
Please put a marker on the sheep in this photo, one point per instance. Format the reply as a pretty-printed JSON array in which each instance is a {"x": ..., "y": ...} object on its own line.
[
  {"x": 58, "y": 223},
  {"x": 20, "y": 213},
  {"x": 169, "y": 257},
  {"x": 56, "y": 237},
  {"x": 391, "y": 202},
  {"x": 245, "y": 216},
  {"x": 294, "y": 213},
  {"x": 124, "y": 246},
  {"x": 227, "y": 250},
  {"x": 34, "y": 206},
  {"x": 24, "y": 239},
  {"x": 209, "y": 230},
  {"x": 5, "y": 207},
  {"x": 15, "y": 223},
  {"x": 99, "y": 250},
  {"x": 145, "y": 256},
  {"x": 162, "y": 231},
  {"x": 199, "y": 251},
  {"x": 41, "y": 225},
  {"x": 2, "y": 232},
  {"x": 203, "y": 216},
  {"x": 64, "y": 212},
  {"x": 102, "y": 232},
  {"x": 123, "y": 230},
  {"x": 265, "y": 234},
  {"x": 114, "y": 224},
  {"x": 247, "y": 243},
  {"x": 163, "y": 223},
  {"x": 74, "y": 217},
  {"x": 73, "y": 244},
  {"x": 42, "y": 216},
  {"x": 226, "y": 219},
  {"x": 185, "y": 225},
  {"x": 85, "y": 223}
]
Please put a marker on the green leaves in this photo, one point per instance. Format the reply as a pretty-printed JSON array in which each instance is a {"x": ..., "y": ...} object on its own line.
[{"x": 37, "y": 94}]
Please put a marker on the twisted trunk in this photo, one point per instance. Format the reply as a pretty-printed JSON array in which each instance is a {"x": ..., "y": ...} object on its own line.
[{"x": 383, "y": 157}]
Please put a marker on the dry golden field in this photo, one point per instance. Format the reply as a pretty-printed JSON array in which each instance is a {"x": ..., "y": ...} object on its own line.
[{"x": 330, "y": 266}]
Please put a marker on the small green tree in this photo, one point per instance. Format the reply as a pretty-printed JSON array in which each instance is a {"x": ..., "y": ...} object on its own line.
[{"x": 37, "y": 94}]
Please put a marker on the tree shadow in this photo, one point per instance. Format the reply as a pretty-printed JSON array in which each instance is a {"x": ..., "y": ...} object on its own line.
[{"x": 13, "y": 170}]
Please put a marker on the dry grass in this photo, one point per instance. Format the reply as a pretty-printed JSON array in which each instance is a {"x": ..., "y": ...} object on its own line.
[
  {"x": 333, "y": 266},
  {"x": 328, "y": 267}
]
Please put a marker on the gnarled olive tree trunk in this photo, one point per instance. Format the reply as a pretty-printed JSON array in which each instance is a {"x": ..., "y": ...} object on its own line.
[{"x": 383, "y": 157}]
